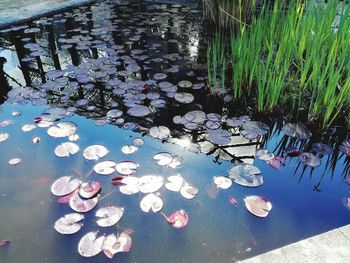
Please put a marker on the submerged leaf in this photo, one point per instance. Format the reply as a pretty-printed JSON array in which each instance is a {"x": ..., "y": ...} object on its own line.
[
  {"x": 258, "y": 205},
  {"x": 68, "y": 224}
]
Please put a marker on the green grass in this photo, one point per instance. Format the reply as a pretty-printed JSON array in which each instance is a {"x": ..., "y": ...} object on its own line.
[{"x": 288, "y": 58}]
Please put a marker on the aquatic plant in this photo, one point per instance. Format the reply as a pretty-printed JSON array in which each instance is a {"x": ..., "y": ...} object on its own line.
[{"x": 293, "y": 55}]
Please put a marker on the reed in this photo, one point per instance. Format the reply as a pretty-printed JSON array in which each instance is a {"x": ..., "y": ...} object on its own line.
[{"x": 292, "y": 55}]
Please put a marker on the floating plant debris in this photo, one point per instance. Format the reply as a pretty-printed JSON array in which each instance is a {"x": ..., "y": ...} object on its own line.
[
  {"x": 95, "y": 152},
  {"x": 258, "y": 205},
  {"x": 109, "y": 215},
  {"x": 151, "y": 203},
  {"x": 68, "y": 224},
  {"x": 66, "y": 149},
  {"x": 246, "y": 175},
  {"x": 105, "y": 167},
  {"x": 65, "y": 185}
]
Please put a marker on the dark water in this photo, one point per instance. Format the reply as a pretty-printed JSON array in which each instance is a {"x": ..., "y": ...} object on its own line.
[{"x": 105, "y": 39}]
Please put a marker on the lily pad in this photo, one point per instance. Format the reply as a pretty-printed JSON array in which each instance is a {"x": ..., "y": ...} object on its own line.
[
  {"x": 113, "y": 245},
  {"x": 299, "y": 131},
  {"x": 68, "y": 224},
  {"x": 253, "y": 129},
  {"x": 178, "y": 219},
  {"x": 246, "y": 175},
  {"x": 163, "y": 158},
  {"x": 139, "y": 111},
  {"x": 4, "y": 136},
  {"x": 188, "y": 191},
  {"x": 109, "y": 215},
  {"x": 65, "y": 185},
  {"x": 264, "y": 155},
  {"x": 345, "y": 147},
  {"x": 322, "y": 148},
  {"x": 82, "y": 206},
  {"x": 222, "y": 182},
  {"x": 159, "y": 132},
  {"x": 90, "y": 189},
  {"x": 126, "y": 167},
  {"x": 66, "y": 149},
  {"x": 89, "y": 245},
  {"x": 95, "y": 152},
  {"x": 62, "y": 129},
  {"x": 309, "y": 159},
  {"x": 28, "y": 127},
  {"x": 130, "y": 185},
  {"x": 129, "y": 149},
  {"x": 258, "y": 205},
  {"x": 150, "y": 183},
  {"x": 184, "y": 97},
  {"x": 219, "y": 136},
  {"x": 138, "y": 142},
  {"x": 105, "y": 167},
  {"x": 175, "y": 182},
  {"x": 151, "y": 203},
  {"x": 15, "y": 161}
]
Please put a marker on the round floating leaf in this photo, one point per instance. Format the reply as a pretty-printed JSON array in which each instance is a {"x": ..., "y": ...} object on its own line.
[
  {"x": 36, "y": 140},
  {"x": 309, "y": 159},
  {"x": 297, "y": 130},
  {"x": 264, "y": 155},
  {"x": 105, "y": 167},
  {"x": 95, "y": 152},
  {"x": 109, "y": 215},
  {"x": 246, "y": 175},
  {"x": 138, "y": 142},
  {"x": 139, "y": 111},
  {"x": 163, "y": 158},
  {"x": 188, "y": 191},
  {"x": 15, "y": 161},
  {"x": 219, "y": 136},
  {"x": 184, "y": 97},
  {"x": 65, "y": 185},
  {"x": 113, "y": 114},
  {"x": 28, "y": 127},
  {"x": 178, "y": 219},
  {"x": 89, "y": 245},
  {"x": 65, "y": 199},
  {"x": 159, "y": 132},
  {"x": 4, "y": 136},
  {"x": 253, "y": 129},
  {"x": 66, "y": 149},
  {"x": 346, "y": 202},
  {"x": 258, "y": 205},
  {"x": 126, "y": 167},
  {"x": 234, "y": 122},
  {"x": 222, "y": 182},
  {"x": 150, "y": 183},
  {"x": 90, "y": 189},
  {"x": 82, "y": 206},
  {"x": 62, "y": 129},
  {"x": 176, "y": 162},
  {"x": 322, "y": 148},
  {"x": 151, "y": 203},
  {"x": 196, "y": 116},
  {"x": 68, "y": 224},
  {"x": 130, "y": 185},
  {"x": 113, "y": 245},
  {"x": 129, "y": 149},
  {"x": 175, "y": 182},
  {"x": 185, "y": 84}
]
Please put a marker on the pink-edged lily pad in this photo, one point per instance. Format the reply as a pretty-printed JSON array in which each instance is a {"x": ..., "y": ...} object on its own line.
[
  {"x": 65, "y": 185},
  {"x": 68, "y": 224},
  {"x": 90, "y": 189},
  {"x": 95, "y": 152},
  {"x": 178, "y": 219},
  {"x": 36, "y": 139},
  {"x": 277, "y": 162},
  {"x": 89, "y": 245},
  {"x": 113, "y": 244},
  {"x": 258, "y": 205},
  {"x": 65, "y": 199},
  {"x": 109, "y": 215},
  {"x": 151, "y": 203},
  {"x": 105, "y": 167},
  {"x": 82, "y": 206},
  {"x": 126, "y": 167}
]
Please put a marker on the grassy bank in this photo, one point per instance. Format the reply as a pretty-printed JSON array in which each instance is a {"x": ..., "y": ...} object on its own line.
[{"x": 287, "y": 57}]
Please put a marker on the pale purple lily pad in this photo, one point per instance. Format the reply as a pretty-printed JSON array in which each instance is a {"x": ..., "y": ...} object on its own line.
[
  {"x": 139, "y": 111},
  {"x": 299, "y": 131},
  {"x": 159, "y": 132},
  {"x": 253, "y": 129},
  {"x": 345, "y": 147},
  {"x": 322, "y": 148},
  {"x": 309, "y": 159},
  {"x": 246, "y": 175}
]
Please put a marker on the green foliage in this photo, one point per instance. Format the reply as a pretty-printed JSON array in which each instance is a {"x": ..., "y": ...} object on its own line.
[{"x": 294, "y": 55}]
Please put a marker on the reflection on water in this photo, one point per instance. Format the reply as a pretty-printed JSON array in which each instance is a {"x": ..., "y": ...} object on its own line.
[{"x": 113, "y": 56}]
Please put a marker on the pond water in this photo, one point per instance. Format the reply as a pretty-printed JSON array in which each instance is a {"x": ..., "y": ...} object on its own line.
[{"x": 79, "y": 65}]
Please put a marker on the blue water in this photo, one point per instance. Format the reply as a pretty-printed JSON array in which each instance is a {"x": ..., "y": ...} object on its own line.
[{"x": 217, "y": 231}]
